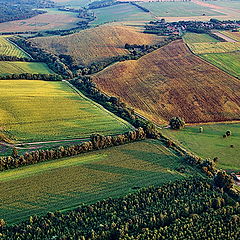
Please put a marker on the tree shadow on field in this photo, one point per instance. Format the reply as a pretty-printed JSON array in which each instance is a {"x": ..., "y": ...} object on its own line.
[{"x": 156, "y": 161}]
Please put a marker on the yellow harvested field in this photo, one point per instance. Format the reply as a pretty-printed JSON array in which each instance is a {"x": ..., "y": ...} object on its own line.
[
  {"x": 214, "y": 47},
  {"x": 233, "y": 35},
  {"x": 172, "y": 81},
  {"x": 93, "y": 45}
]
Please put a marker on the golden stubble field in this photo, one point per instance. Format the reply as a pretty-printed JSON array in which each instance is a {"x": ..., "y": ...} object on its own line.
[
  {"x": 96, "y": 44},
  {"x": 171, "y": 82}
]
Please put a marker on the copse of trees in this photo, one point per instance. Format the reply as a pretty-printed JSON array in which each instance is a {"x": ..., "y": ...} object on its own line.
[
  {"x": 96, "y": 142},
  {"x": 176, "y": 123},
  {"x": 184, "y": 209}
]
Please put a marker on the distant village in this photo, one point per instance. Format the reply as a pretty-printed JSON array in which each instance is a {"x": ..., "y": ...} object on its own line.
[{"x": 162, "y": 27}]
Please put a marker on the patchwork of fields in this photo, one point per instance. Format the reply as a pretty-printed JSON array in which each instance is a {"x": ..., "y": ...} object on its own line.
[
  {"x": 121, "y": 13},
  {"x": 8, "y": 68},
  {"x": 229, "y": 62},
  {"x": 210, "y": 143},
  {"x": 184, "y": 9},
  {"x": 63, "y": 184},
  {"x": 224, "y": 55},
  {"x": 9, "y": 49},
  {"x": 41, "y": 111},
  {"x": 171, "y": 82},
  {"x": 96, "y": 44}
]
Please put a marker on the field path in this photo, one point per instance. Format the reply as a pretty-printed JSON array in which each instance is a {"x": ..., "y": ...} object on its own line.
[{"x": 221, "y": 35}]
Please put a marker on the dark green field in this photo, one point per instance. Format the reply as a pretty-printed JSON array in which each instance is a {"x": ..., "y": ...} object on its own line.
[{"x": 87, "y": 178}]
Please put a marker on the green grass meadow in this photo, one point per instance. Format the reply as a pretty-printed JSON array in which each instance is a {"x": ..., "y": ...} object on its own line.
[
  {"x": 87, "y": 178},
  {"x": 9, "y": 49},
  {"x": 120, "y": 13},
  {"x": 44, "y": 111},
  {"x": 178, "y": 9},
  {"x": 211, "y": 143},
  {"x": 190, "y": 37},
  {"x": 8, "y": 68},
  {"x": 228, "y": 62}
]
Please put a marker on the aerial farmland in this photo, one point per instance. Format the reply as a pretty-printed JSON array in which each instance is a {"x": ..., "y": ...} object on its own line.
[{"x": 119, "y": 120}]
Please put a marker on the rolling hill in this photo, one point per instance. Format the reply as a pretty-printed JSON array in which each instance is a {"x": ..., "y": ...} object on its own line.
[
  {"x": 95, "y": 44},
  {"x": 171, "y": 82}
]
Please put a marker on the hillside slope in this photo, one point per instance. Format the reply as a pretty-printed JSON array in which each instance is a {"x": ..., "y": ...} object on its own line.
[
  {"x": 171, "y": 82},
  {"x": 95, "y": 44}
]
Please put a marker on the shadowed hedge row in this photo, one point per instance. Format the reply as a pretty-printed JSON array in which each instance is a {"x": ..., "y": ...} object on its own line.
[{"x": 97, "y": 142}]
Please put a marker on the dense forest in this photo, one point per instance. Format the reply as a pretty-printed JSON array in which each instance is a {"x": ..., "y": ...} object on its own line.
[
  {"x": 16, "y": 10},
  {"x": 186, "y": 209}
]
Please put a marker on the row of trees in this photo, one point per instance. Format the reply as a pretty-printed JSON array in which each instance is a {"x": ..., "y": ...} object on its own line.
[
  {"x": 186, "y": 209},
  {"x": 14, "y": 58},
  {"x": 140, "y": 7},
  {"x": 114, "y": 105},
  {"x": 33, "y": 76},
  {"x": 135, "y": 52},
  {"x": 97, "y": 142},
  {"x": 40, "y": 55}
]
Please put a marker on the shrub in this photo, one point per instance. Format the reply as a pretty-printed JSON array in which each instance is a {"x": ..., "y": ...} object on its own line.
[
  {"x": 228, "y": 133},
  {"x": 177, "y": 123}
]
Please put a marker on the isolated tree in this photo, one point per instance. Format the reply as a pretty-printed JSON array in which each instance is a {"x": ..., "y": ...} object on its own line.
[
  {"x": 177, "y": 123},
  {"x": 228, "y": 133}
]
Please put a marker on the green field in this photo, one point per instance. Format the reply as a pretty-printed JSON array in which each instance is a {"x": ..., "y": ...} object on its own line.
[
  {"x": 211, "y": 143},
  {"x": 87, "y": 178},
  {"x": 8, "y": 68},
  {"x": 9, "y": 49},
  {"x": 178, "y": 9},
  {"x": 198, "y": 38},
  {"x": 229, "y": 62},
  {"x": 41, "y": 111},
  {"x": 120, "y": 13}
]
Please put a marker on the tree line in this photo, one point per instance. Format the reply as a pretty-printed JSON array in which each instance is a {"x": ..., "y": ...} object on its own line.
[
  {"x": 135, "y": 52},
  {"x": 15, "y": 58},
  {"x": 96, "y": 142},
  {"x": 184, "y": 209},
  {"x": 114, "y": 105},
  {"x": 41, "y": 55},
  {"x": 32, "y": 76},
  {"x": 140, "y": 7}
]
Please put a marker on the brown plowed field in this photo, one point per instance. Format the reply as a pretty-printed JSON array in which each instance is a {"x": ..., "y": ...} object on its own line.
[
  {"x": 173, "y": 82},
  {"x": 96, "y": 44}
]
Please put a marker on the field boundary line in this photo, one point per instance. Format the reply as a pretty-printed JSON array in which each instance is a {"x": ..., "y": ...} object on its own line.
[
  {"x": 127, "y": 124},
  {"x": 20, "y": 48},
  {"x": 206, "y": 61}
]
